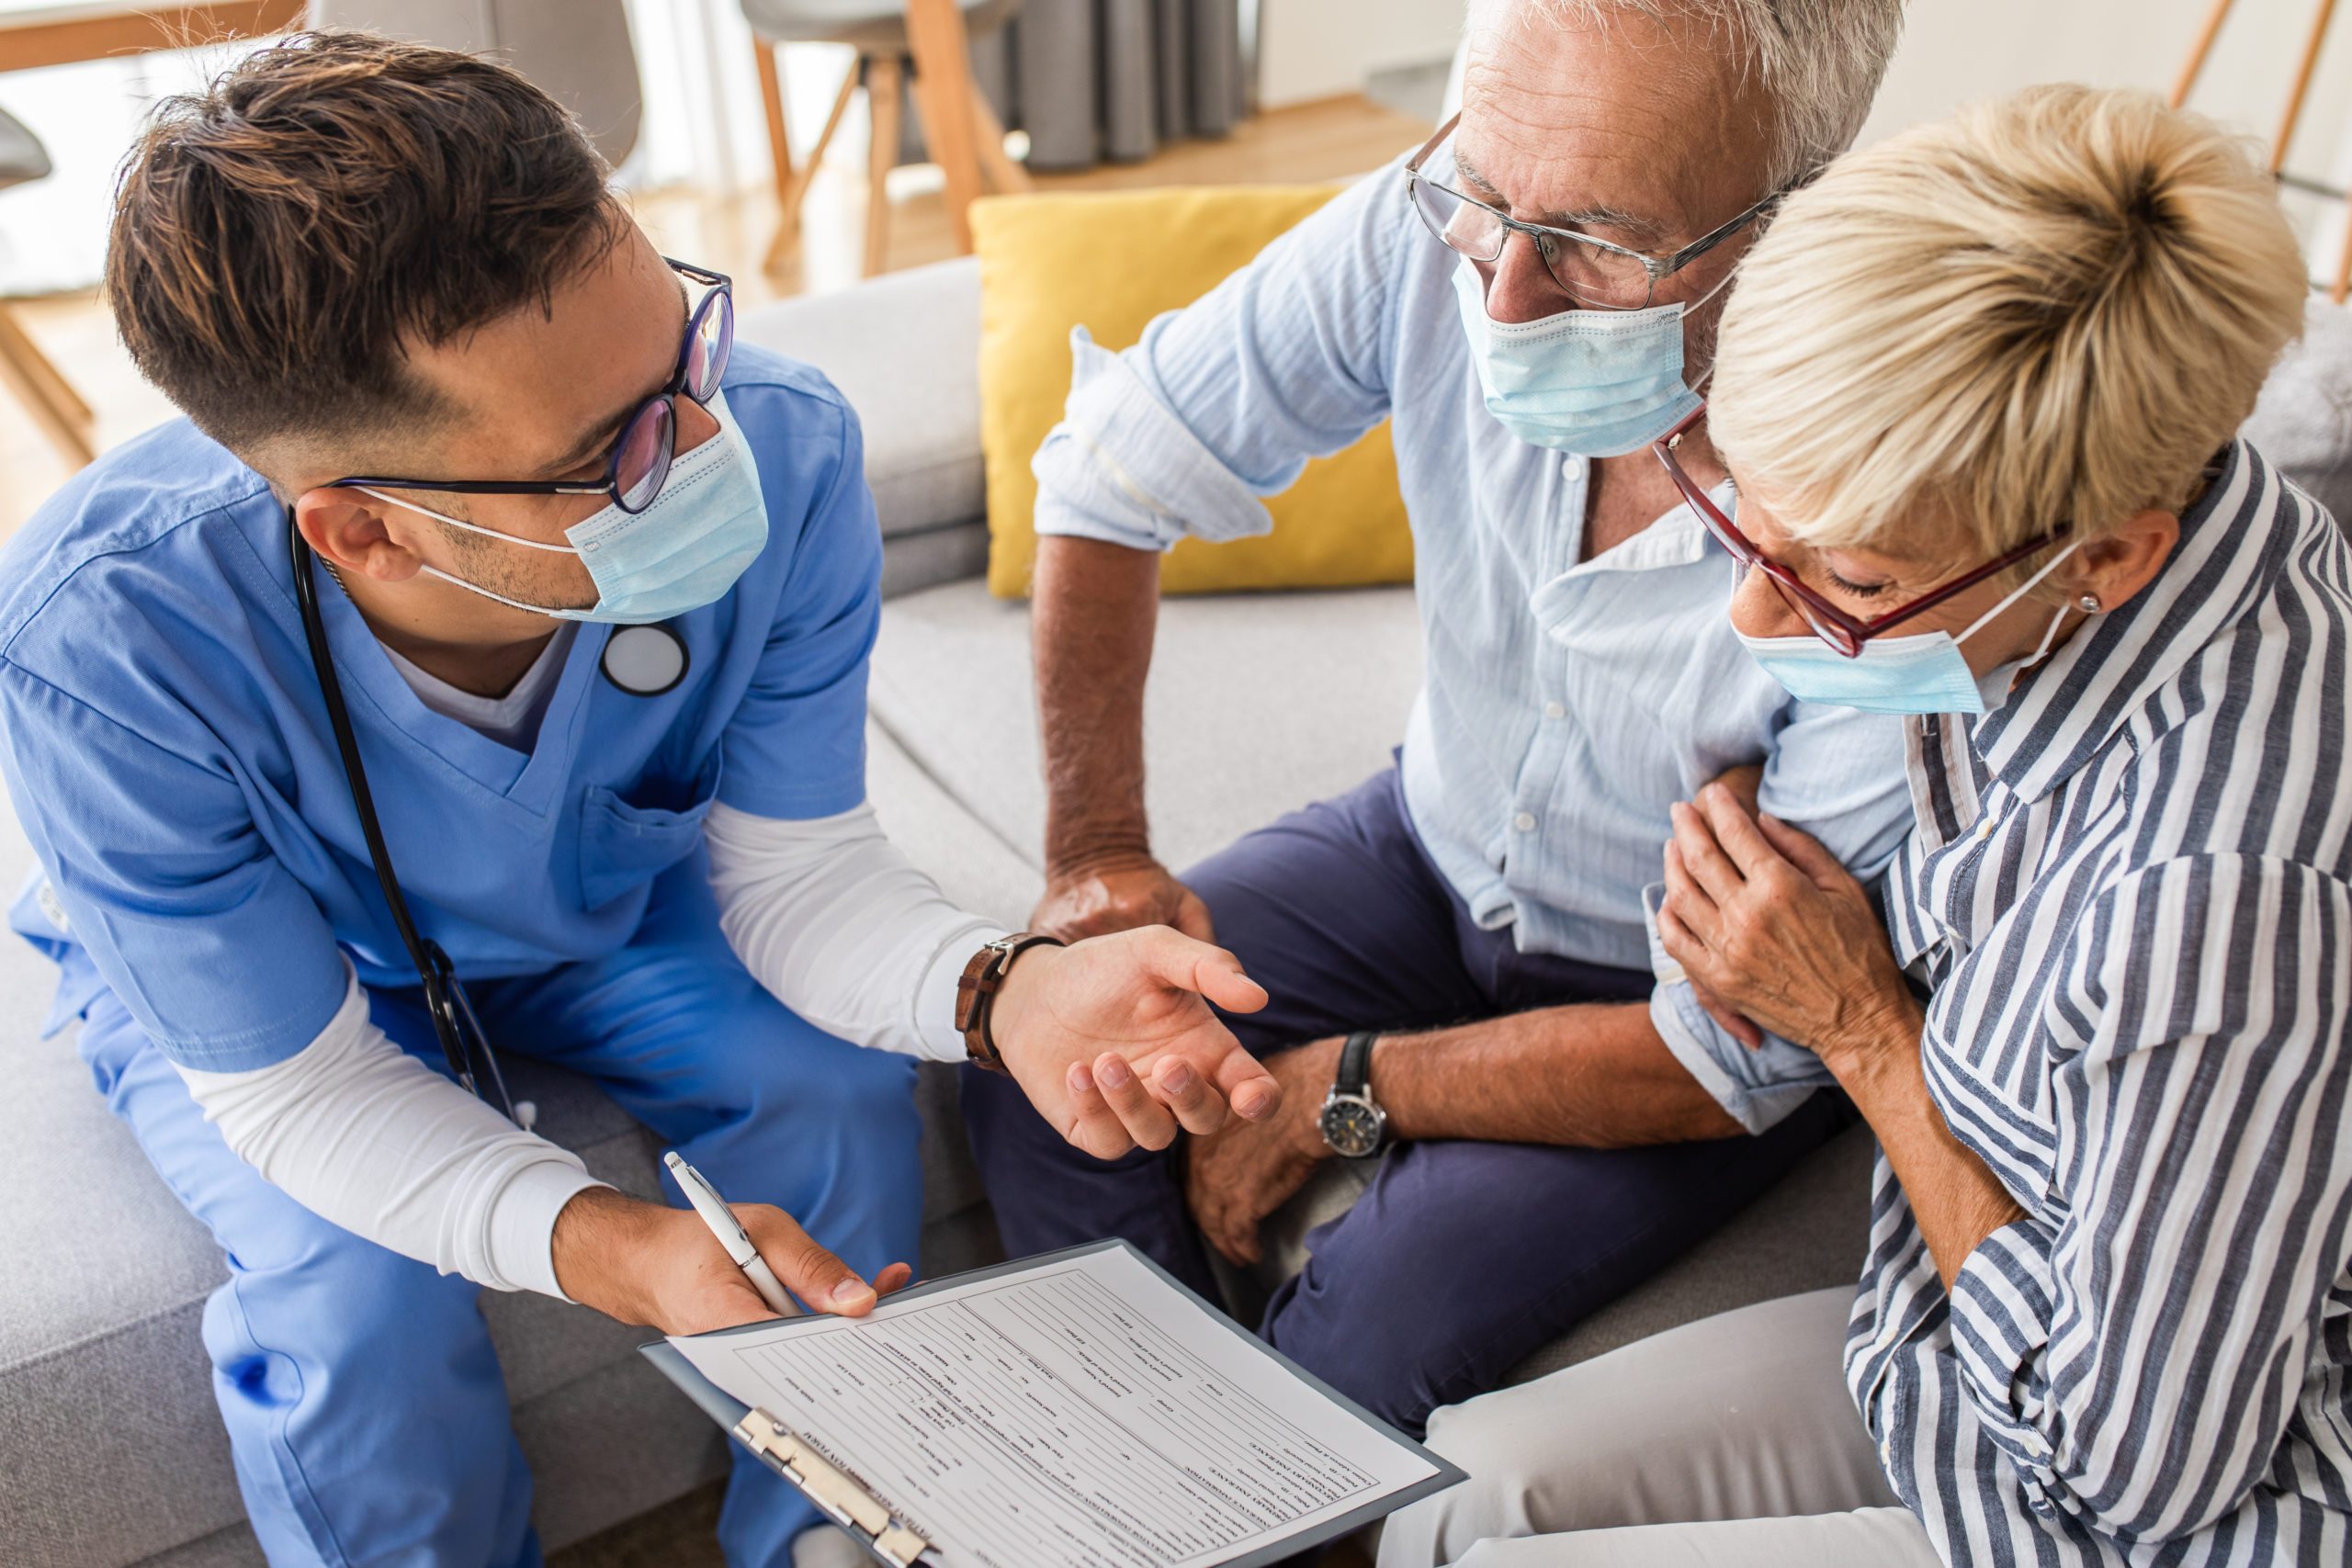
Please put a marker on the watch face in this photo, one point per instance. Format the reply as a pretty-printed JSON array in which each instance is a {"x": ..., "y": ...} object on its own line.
[{"x": 1352, "y": 1127}]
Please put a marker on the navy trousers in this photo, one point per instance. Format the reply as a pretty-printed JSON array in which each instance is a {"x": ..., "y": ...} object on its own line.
[{"x": 1462, "y": 1258}]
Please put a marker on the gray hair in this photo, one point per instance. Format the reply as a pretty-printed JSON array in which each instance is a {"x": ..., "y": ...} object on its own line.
[{"x": 1821, "y": 61}]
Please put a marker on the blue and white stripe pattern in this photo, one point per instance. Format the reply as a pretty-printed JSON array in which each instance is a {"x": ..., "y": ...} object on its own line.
[{"x": 2131, "y": 890}]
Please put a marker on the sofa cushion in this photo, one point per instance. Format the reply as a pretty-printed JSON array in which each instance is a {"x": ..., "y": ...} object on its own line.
[
  {"x": 1257, "y": 704},
  {"x": 2303, "y": 422},
  {"x": 1341, "y": 524},
  {"x": 904, "y": 349}
]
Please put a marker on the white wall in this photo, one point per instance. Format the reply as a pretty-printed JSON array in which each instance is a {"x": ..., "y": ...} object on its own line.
[
  {"x": 1954, "y": 50},
  {"x": 1315, "y": 48}
]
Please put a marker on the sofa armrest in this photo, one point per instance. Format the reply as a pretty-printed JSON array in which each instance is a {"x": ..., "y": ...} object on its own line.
[{"x": 904, "y": 349}]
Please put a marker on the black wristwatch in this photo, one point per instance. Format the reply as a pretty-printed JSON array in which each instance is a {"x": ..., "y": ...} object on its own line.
[{"x": 1353, "y": 1122}]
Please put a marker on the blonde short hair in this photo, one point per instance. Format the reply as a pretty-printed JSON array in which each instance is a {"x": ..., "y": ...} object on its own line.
[{"x": 2049, "y": 311}]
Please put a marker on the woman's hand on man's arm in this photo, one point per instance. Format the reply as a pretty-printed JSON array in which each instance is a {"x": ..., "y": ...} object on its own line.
[{"x": 1764, "y": 919}]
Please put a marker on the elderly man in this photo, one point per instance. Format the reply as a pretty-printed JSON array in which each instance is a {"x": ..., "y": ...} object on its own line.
[{"x": 1530, "y": 297}]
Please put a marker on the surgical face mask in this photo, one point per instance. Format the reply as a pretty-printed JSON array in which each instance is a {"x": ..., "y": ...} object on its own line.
[
  {"x": 680, "y": 553},
  {"x": 1597, "y": 383},
  {"x": 1921, "y": 674}
]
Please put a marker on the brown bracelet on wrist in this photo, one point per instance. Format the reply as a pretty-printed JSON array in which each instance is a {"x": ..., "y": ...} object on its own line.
[{"x": 976, "y": 994}]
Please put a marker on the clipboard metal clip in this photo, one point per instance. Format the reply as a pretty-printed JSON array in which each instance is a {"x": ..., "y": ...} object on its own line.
[{"x": 836, "y": 1495}]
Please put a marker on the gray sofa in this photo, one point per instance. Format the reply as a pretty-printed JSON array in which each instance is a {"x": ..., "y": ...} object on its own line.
[{"x": 110, "y": 1451}]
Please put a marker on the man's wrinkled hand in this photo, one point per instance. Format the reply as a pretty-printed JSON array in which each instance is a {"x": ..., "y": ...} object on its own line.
[
  {"x": 1234, "y": 1179},
  {"x": 650, "y": 1264},
  {"x": 1116, "y": 1045},
  {"x": 1101, "y": 899}
]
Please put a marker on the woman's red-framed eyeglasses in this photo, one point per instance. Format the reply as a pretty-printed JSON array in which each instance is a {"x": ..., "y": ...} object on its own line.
[{"x": 1840, "y": 629}]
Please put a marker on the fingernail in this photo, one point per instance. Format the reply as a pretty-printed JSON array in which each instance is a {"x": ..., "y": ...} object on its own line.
[
  {"x": 1251, "y": 1104},
  {"x": 1115, "y": 1073},
  {"x": 1176, "y": 1079},
  {"x": 851, "y": 1295},
  {"x": 1079, "y": 1079}
]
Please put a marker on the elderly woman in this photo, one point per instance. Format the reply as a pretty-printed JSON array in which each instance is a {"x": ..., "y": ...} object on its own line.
[{"x": 1977, "y": 393}]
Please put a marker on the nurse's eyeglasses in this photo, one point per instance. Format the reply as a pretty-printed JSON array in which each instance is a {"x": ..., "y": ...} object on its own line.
[
  {"x": 1832, "y": 623},
  {"x": 639, "y": 464}
]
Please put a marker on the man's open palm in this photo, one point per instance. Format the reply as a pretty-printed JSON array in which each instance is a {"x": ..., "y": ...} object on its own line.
[{"x": 1116, "y": 1044}]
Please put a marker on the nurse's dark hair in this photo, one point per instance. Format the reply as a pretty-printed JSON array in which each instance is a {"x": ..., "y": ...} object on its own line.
[{"x": 281, "y": 236}]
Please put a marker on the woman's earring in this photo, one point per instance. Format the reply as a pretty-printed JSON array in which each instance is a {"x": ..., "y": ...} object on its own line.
[{"x": 2089, "y": 603}]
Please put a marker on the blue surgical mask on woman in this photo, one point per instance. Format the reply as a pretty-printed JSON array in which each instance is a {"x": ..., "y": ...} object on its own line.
[
  {"x": 1922, "y": 675},
  {"x": 684, "y": 551},
  {"x": 1596, "y": 383}
]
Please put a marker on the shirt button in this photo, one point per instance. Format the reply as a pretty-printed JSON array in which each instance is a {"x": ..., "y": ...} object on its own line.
[
  {"x": 1573, "y": 466},
  {"x": 1555, "y": 710},
  {"x": 1524, "y": 822}
]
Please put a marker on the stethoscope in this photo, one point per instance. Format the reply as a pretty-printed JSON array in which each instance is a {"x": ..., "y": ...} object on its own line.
[{"x": 643, "y": 661}]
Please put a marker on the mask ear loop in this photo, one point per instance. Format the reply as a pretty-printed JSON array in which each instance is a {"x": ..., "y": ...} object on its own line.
[
  {"x": 2023, "y": 589},
  {"x": 469, "y": 527}
]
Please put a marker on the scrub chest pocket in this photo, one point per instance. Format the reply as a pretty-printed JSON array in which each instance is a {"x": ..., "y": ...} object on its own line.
[{"x": 626, "y": 842}]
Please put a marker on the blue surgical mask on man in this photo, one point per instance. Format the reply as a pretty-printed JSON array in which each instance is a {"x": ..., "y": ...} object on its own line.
[
  {"x": 1922, "y": 675},
  {"x": 1596, "y": 383},
  {"x": 680, "y": 553}
]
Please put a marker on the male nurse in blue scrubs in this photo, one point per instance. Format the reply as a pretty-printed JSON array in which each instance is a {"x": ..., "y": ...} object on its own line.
[{"x": 597, "y": 587}]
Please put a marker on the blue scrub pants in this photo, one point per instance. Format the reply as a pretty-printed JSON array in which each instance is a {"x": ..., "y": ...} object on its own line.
[{"x": 364, "y": 1404}]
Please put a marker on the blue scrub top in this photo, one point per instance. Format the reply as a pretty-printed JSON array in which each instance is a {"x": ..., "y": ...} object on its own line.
[{"x": 168, "y": 747}]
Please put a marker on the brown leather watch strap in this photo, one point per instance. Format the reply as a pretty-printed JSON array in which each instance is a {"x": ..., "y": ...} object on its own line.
[{"x": 976, "y": 993}]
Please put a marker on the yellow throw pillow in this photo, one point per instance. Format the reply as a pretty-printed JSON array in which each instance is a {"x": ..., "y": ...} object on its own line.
[{"x": 1110, "y": 262}]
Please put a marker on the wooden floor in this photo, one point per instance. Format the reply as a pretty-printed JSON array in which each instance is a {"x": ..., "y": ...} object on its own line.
[{"x": 1324, "y": 141}]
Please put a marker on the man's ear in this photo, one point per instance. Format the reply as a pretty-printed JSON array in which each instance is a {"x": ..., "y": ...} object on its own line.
[
  {"x": 347, "y": 530},
  {"x": 2119, "y": 563}
]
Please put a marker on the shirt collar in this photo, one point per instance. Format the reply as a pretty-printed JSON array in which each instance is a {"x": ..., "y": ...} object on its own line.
[{"x": 2233, "y": 542}]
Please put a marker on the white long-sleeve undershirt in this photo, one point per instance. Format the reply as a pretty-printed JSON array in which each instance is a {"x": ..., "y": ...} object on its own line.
[{"x": 827, "y": 914}]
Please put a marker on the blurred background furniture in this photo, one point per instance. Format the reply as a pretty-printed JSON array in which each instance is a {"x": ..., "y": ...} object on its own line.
[
  {"x": 578, "y": 51},
  {"x": 63, "y": 417},
  {"x": 37, "y": 33},
  {"x": 923, "y": 45},
  {"x": 2291, "y": 115}
]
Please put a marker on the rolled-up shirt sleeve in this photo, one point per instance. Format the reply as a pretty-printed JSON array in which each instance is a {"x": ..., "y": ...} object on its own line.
[
  {"x": 1838, "y": 774},
  {"x": 2139, "y": 1360},
  {"x": 1755, "y": 1087},
  {"x": 1224, "y": 401}
]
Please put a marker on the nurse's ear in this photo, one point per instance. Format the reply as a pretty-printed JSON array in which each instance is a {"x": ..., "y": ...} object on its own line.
[{"x": 349, "y": 531}]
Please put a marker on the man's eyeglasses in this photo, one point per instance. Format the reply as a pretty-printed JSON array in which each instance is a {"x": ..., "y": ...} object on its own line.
[
  {"x": 1592, "y": 272},
  {"x": 640, "y": 461},
  {"x": 1841, "y": 630}
]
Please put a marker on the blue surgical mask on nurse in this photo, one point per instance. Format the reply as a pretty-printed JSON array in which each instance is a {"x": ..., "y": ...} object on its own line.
[{"x": 684, "y": 551}]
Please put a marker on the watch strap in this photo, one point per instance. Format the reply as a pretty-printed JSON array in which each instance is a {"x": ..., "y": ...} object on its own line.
[
  {"x": 976, "y": 994},
  {"x": 1354, "y": 1076}
]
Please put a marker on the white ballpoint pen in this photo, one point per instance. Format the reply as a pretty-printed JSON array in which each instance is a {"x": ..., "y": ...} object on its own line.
[{"x": 730, "y": 1234}]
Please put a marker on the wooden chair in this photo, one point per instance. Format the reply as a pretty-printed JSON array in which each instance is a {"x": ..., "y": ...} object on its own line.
[
  {"x": 2298, "y": 90},
  {"x": 63, "y": 417},
  {"x": 902, "y": 45}
]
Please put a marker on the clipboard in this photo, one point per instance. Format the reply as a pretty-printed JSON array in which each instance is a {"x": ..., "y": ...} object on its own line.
[{"x": 889, "y": 1538}]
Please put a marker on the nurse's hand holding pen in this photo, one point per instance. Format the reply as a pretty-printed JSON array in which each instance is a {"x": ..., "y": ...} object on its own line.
[{"x": 1115, "y": 1042}]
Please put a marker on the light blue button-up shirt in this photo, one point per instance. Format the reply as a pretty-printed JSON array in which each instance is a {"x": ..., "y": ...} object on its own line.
[{"x": 1566, "y": 701}]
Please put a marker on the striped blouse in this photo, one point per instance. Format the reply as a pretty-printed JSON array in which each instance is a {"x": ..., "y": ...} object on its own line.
[{"x": 2130, "y": 891}]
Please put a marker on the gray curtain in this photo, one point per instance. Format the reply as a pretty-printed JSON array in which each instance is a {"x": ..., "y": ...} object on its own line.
[{"x": 1109, "y": 81}]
